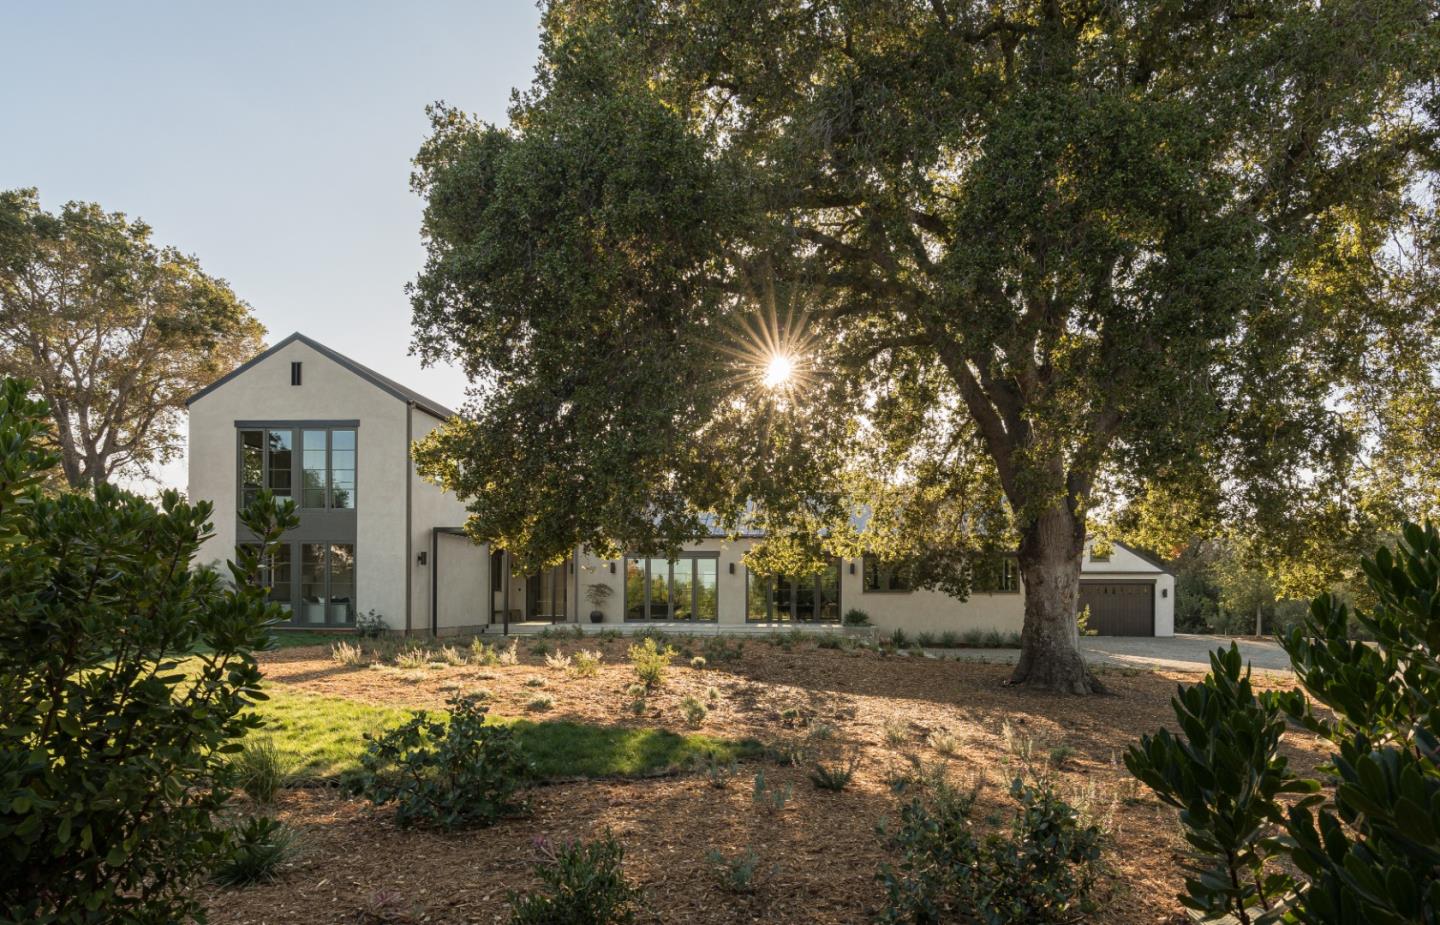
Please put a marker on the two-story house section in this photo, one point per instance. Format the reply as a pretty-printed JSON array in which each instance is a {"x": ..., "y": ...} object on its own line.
[{"x": 317, "y": 427}]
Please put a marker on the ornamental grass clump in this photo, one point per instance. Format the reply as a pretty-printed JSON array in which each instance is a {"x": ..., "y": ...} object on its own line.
[
  {"x": 651, "y": 662},
  {"x": 582, "y": 883}
]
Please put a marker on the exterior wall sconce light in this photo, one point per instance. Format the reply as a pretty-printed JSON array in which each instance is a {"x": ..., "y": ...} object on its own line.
[
  {"x": 732, "y": 568},
  {"x": 420, "y": 559},
  {"x": 1164, "y": 592},
  {"x": 852, "y": 568},
  {"x": 612, "y": 568}
]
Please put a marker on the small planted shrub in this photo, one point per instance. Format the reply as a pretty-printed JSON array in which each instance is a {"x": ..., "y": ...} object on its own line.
[
  {"x": 259, "y": 848},
  {"x": 541, "y": 648},
  {"x": 769, "y": 799},
  {"x": 510, "y": 656},
  {"x": 583, "y": 884},
  {"x": 897, "y": 735},
  {"x": 926, "y": 640},
  {"x": 260, "y": 771},
  {"x": 535, "y": 681},
  {"x": 413, "y": 657},
  {"x": 586, "y": 662},
  {"x": 830, "y": 641},
  {"x": 898, "y": 639},
  {"x": 719, "y": 649},
  {"x": 856, "y": 617},
  {"x": 712, "y": 693},
  {"x": 719, "y": 773},
  {"x": 694, "y": 711},
  {"x": 447, "y": 776},
  {"x": 452, "y": 656},
  {"x": 836, "y": 776},
  {"x": 698, "y": 663},
  {"x": 483, "y": 654},
  {"x": 945, "y": 742},
  {"x": 540, "y": 703},
  {"x": 348, "y": 654},
  {"x": 371, "y": 625},
  {"x": 1042, "y": 871},
  {"x": 1061, "y": 754},
  {"x": 651, "y": 662},
  {"x": 558, "y": 661},
  {"x": 742, "y": 874}
]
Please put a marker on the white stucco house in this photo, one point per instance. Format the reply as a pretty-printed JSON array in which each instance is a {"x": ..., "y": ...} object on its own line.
[{"x": 334, "y": 435}]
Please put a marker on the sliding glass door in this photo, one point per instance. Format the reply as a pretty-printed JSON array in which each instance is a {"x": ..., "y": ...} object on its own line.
[{"x": 786, "y": 598}]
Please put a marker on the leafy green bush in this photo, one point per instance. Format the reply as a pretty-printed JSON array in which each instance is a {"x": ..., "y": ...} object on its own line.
[
  {"x": 261, "y": 845},
  {"x": 464, "y": 773},
  {"x": 1372, "y": 853},
  {"x": 741, "y": 873},
  {"x": 587, "y": 662},
  {"x": 114, "y": 737},
  {"x": 719, "y": 649},
  {"x": 1041, "y": 872},
  {"x": 371, "y": 625},
  {"x": 694, "y": 711},
  {"x": 650, "y": 662},
  {"x": 856, "y": 617},
  {"x": 837, "y": 776},
  {"x": 583, "y": 885}
]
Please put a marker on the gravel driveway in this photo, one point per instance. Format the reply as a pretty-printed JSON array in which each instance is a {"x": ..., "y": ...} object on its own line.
[{"x": 1181, "y": 652}]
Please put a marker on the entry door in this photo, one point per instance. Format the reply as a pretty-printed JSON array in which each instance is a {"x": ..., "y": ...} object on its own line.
[{"x": 1120, "y": 608}]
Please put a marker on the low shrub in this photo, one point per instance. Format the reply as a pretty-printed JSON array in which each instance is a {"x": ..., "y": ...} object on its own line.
[
  {"x": 742, "y": 873},
  {"x": 583, "y": 884},
  {"x": 448, "y": 776},
  {"x": 413, "y": 657},
  {"x": 898, "y": 639},
  {"x": 712, "y": 693},
  {"x": 926, "y": 640},
  {"x": 1042, "y": 871},
  {"x": 719, "y": 649},
  {"x": 261, "y": 845},
  {"x": 260, "y": 771},
  {"x": 694, "y": 711},
  {"x": 719, "y": 773},
  {"x": 452, "y": 656},
  {"x": 540, "y": 703},
  {"x": 535, "y": 681},
  {"x": 483, "y": 654},
  {"x": 945, "y": 742},
  {"x": 770, "y": 800},
  {"x": 371, "y": 625},
  {"x": 540, "y": 648},
  {"x": 856, "y": 617},
  {"x": 558, "y": 662},
  {"x": 510, "y": 657},
  {"x": 836, "y": 776},
  {"x": 698, "y": 663},
  {"x": 830, "y": 641},
  {"x": 651, "y": 662},
  {"x": 586, "y": 662},
  {"x": 897, "y": 735},
  {"x": 348, "y": 654}
]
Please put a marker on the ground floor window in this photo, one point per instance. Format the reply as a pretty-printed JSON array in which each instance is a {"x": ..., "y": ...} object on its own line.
[
  {"x": 546, "y": 594},
  {"x": 798, "y": 599},
  {"x": 998, "y": 574},
  {"x": 324, "y": 594},
  {"x": 686, "y": 588}
]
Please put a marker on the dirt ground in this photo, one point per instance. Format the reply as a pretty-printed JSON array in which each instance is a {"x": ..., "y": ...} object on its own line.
[{"x": 824, "y": 846}]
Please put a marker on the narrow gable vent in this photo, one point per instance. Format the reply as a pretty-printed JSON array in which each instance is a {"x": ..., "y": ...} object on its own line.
[{"x": 295, "y": 373}]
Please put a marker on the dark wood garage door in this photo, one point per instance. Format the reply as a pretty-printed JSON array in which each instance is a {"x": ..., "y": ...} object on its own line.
[{"x": 1120, "y": 608}]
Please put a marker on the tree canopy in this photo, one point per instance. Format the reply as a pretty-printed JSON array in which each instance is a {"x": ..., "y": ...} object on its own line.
[
  {"x": 1023, "y": 257},
  {"x": 114, "y": 330}
]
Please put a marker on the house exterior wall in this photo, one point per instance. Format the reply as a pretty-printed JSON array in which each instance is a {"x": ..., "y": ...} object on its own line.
[
  {"x": 328, "y": 391},
  {"x": 1125, "y": 565},
  {"x": 464, "y": 571}
]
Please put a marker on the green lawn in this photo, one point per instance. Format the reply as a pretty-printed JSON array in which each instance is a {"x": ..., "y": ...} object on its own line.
[{"x": 322, "y": 738}]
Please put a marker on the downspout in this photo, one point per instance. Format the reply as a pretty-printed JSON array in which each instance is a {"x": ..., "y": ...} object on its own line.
[
  {"x": 434, "y": 581},
  {"x": 409, "y": 522},
  {"x": 505, "y": 575}
]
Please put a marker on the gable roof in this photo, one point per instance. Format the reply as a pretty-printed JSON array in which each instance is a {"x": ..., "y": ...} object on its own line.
[
  {"x": 384, "y": 383},
  {"x": 1142, "y": 554}
]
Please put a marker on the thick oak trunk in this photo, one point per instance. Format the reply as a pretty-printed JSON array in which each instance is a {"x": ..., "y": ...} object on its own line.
[{"x": 1050, "y": 551}]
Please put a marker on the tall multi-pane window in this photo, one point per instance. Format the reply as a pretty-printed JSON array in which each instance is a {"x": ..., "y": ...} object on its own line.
[
  {"x": 786, "y": 598},
  {"x": 659, "y": 589},
  {"x": 324, "y": 466},
  {"x": 327, "y": 584}
]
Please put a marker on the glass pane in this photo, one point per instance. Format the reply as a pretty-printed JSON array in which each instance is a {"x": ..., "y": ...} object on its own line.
[
  {"x": 342, "y": 584},
  {"x": 634, "y": 589},
  {"x": 805, "y": 598},
  {"x": 252, "y": 463},
  {"x": 659, "y": 590},
  {"x": 781, "y": 598},
  {"x": 707, "y": 589},
  {"x": 682, "y": 588},
  {"x": 342, "y": 440},
  {"x": 342, "y": 469},
  {"x": 312, "y": 583},
  {"x": 757, "y": 596},
  {"x": 827, "y": 606},
  {"x": 280, "y": 461},
  {"x": 312, "y": 460},
  {"x": 280, "y": 576}
]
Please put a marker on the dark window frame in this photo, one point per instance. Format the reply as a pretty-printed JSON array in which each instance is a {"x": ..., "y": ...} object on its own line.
[
  {"x": 297, "y": 431},
  {"x": 1009, "y": 582},
  {"x": 295, "y": 579},
  {"x": 873, "y": 574},
  {"x": 669, "y": 616}
]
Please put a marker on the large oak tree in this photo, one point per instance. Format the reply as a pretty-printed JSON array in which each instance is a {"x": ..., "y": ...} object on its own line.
[
  {"x": 114, "y": 331},
  {"x": 1020, "y": 253}
]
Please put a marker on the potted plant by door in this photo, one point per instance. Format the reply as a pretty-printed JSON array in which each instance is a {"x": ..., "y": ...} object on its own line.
[{"x": 597, "y": 594}]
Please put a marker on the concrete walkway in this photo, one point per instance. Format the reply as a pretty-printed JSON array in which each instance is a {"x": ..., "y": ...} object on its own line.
[{"x": 1182, "y": 652}]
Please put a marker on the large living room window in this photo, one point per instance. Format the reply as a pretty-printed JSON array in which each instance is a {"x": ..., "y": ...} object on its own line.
[
  {"x": 324, "y": 467},
  {"x": 684, "y": 589},
  {"x": 786, "y": 599}
]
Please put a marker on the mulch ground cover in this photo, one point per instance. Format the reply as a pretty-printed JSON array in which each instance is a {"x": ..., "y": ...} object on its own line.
[{"x": 821, "y": 851}]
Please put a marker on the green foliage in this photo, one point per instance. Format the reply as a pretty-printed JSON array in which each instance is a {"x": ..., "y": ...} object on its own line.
[
  {"x": 114, "y": 740},
  {"x": 114, "y": 331},
  {"x": 446, "y": 775},
  {"x": 260, "y": 770},
  {"x": 371, "y": 625},
  {"x": 261, "y": 846},
  {"x": 584, "y": 884},
  {"x": 719, "y": 649},
  {"x": 769, "y": 798},
  {"x": 694, "y": 711},
  {"x": 856, "y": 617},
  {"x": 1373, "y": 852},
  {"x": 1041, "y": 872},
  {"x": 743, "y": 873},
  {"x": 586, "y": 662},
  {"x": 837, "y": 776},
  {"x": 650, "y": 662}
]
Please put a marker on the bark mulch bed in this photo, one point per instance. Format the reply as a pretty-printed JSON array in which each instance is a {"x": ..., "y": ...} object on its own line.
[{"x": 825, "y": 845}]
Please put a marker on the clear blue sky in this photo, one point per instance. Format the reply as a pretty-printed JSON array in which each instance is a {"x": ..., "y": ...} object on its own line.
[{"x": 272, "y": 140}]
